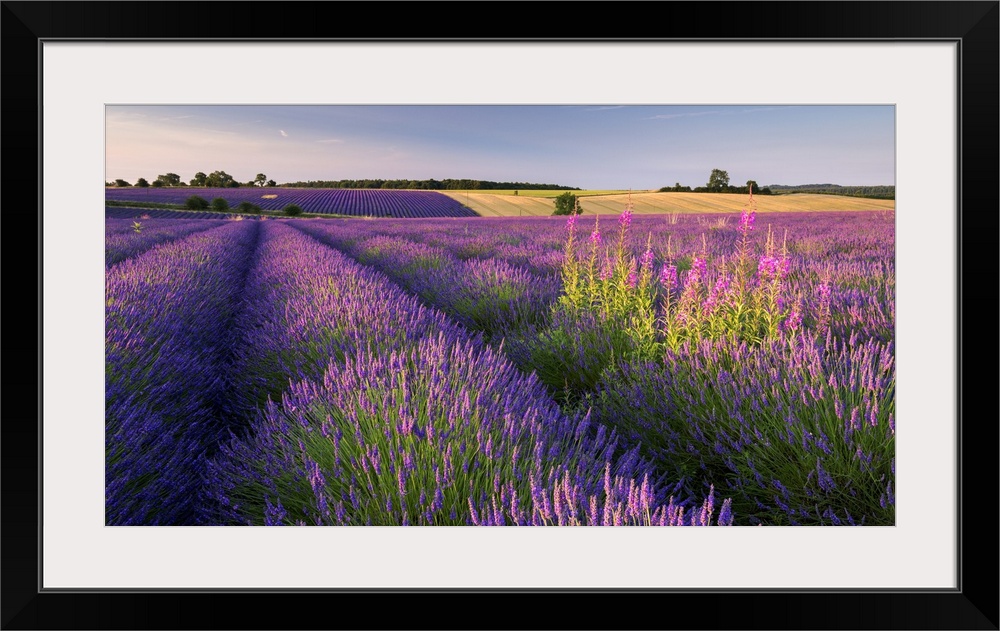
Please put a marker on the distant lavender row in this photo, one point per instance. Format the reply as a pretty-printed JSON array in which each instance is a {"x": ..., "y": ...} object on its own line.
[
  {"x": 488, "y": 295},
  {"x": 124, "y": 212},
  {"x": 166, "y": 345},
  {"x": 404, "y": 419},
  {"x": 124, "y": 239},
  {"x": 340, "y": 201}
]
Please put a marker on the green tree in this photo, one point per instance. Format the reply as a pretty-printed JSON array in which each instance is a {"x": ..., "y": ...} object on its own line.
[
  {"x": 261, "y": 179},
  {"x": 220, "y": 179},
  {"x": 292, "y": 210},
  {"x": 272, "y": 183},
  {"x": 169, "y": 179},
  {"x": 566, "y": 204},
  {"x": 121, "y": 183},
  {"x": 752, "y": 186},
  {"x": 200, "y": 179},
  {"x": 196, "y": 203},
  {"x": 219, "y": 204},
  {"x": 156, "y": 184},
  {"x": 718, "y": 180},
  {"x": 142, "y": 182}
]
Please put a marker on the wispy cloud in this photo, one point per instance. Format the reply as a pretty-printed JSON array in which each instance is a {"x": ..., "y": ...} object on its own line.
[
  {"x": 764, "y": 109},
  {"x": 684, "y": 115},
  {"x": 283, "y": 133}
]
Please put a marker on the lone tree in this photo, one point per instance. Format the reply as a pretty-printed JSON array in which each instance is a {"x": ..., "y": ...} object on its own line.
[
  {"x": 566, "y": 205},
  {"x": 142, "y": 182},
  {"x": 292, "y": 210},
  {"x": 718, "y": 180},
  {"x": 260, "y": 180},
  {"x": 121, "y": 183}
]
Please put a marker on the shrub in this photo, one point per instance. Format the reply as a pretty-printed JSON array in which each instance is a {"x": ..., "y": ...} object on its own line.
[
  {"x": 248, "y": 207},
  {"x": 292, "y": 210},
  {"x": 196, "y": 203},
  {"x": 220, "y": 205}
]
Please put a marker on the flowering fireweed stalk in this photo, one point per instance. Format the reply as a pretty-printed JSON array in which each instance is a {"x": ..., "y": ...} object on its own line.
[
  {"x": 614, "y": 308},
  {"x": 413, "y": 420},
  {"x": 742, "y": 299}
]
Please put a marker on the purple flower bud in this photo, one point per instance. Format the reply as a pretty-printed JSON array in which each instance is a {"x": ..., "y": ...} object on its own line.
[{"x": 626, "y": 218}]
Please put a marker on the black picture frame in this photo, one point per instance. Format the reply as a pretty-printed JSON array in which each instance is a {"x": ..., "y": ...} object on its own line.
[{"x": 972, "y": 605}]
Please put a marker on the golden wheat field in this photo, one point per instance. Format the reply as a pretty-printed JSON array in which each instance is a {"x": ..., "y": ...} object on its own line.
[{"x": 494, "y": 205}]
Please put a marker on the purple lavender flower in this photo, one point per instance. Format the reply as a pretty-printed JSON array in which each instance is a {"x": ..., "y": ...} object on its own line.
[{"x": 747, "y": 220}]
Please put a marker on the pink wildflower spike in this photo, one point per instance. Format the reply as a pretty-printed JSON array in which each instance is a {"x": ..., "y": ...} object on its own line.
[
  {"x": 646, "y": 261},
  {"x": 668, "y": 277},
  {"x": 626, "y": 218}
]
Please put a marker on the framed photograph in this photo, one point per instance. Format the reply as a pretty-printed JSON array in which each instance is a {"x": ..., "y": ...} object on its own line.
[{"x": 933, "y": 65}]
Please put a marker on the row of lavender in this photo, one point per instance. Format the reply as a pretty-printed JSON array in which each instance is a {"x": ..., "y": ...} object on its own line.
[
  {"x": 486, "y": 294},
  {"x": 126, "y": 212},
  {"x": 762, "y": 364},
  {"x": 127, "y": 238},
  {"x": 339, "y": 201},
  {"x": 290, "y": 385}
]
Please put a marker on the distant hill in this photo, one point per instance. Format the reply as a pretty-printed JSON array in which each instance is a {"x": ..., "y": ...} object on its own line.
[{"x": 872, "y": 192}]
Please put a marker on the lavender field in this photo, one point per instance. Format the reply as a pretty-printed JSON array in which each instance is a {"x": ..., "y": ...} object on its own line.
[
  {"x": 650, "y": 370},
  {"x": 337, "y": 201}
]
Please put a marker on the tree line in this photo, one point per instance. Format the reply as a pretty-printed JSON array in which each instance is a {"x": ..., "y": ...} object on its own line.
[
  {"x": 718, "y": 182},
  {"x": 215, "y": 179},
  {"x": 873, "y": 192},
  {"x": 431, "y": 184},
  {"x": 221, "y": 179}
]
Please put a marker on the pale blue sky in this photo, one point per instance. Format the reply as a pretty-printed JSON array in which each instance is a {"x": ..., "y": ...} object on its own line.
[{"x": 587, "y": 146}]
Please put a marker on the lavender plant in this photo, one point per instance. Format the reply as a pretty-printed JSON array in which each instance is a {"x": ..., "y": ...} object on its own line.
[
  {"x": 419, "y": 424},
  {"x": 796, "y": 432}
]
